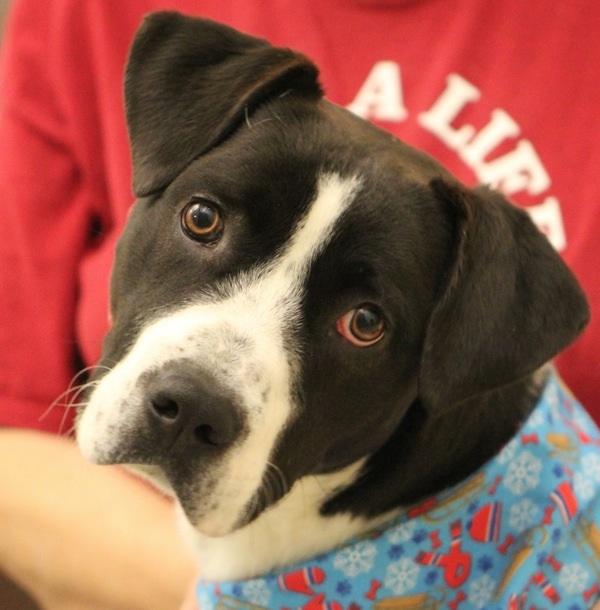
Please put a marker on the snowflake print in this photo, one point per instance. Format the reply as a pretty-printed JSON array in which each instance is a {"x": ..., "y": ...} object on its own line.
[
  {"x": 536, "y": 419},
  {"x": 402, "y": 533},
  {"x": 552, "y": 397},
  {"x": 584, "y": 487},
  {"x": 257, "y": 592},
  {"x": 523, "y": 473},
  {"x": 356, "y": 559},
  {"x": 573, "y": 578},
  {"x": 402, "y": 576},
  {"x": 591, "y": 466},
  {"x": 481, "y": 591},
  {"x": 522, "y": 515},
  {"x": 508, "y": 452}
]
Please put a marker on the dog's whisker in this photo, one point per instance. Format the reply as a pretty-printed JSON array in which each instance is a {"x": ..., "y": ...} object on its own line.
[
  {"x": 249, "y": 124},
  {"x": 254, "y": 503},
  {"x": 261, "y": 122},
  {"x": 92, "y": 367},
  {"x": 67, "y": 398},
  {"x": 63, "y": 420},
  {"x": 70, "y": 432},
  {"x": 62, "y": 400},
  {"x": 77, "y": 392},
  {"x": 280, "y": 477},
  {"x": 267, "y": 489},
  {"x": 319, "y": 483},
  {"x": 70, "y": 396},
  {"x": 274, "y": 486}
]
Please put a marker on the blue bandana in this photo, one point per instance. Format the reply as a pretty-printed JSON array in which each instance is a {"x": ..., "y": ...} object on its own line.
[{"x": 522, "y": 533}]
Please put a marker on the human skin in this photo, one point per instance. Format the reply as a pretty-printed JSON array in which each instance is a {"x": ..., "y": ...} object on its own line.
[{"x": 77, "y": 536}]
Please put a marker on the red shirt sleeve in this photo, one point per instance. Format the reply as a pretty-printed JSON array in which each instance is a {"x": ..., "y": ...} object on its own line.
[{"x": 47, "y": 217}]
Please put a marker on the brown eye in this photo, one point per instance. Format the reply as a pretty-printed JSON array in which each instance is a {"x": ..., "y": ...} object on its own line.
[
  {"x": 202, "y": 221},
  {"x": 362, "y": 326}
]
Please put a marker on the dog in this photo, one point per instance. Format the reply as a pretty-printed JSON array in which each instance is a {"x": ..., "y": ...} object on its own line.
[{"x": 322, "y": 342}]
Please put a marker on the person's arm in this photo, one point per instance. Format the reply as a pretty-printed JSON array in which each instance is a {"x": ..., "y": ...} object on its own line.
[{"x": 79, "y": 536}]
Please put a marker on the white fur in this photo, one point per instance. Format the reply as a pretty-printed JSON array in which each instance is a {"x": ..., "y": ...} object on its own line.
[
  {"x": 239, "y": 339},
  {"x": 288, "y": 532}
]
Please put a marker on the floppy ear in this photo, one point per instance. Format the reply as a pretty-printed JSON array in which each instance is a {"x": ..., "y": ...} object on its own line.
[
  {"x": 190, "y": 82},
  {"x": 509, "y": 303}
]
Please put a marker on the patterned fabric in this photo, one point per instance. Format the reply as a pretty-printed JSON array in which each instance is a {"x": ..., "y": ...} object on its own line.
[{"x": 521, "y": 533}]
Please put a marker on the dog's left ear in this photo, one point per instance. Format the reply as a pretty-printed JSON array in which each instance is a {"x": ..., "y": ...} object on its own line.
[
  {"x": 509, "y": 302},
  {"x": 190, "y": 82}
]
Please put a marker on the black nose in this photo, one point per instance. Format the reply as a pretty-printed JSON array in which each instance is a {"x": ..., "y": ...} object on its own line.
[{"x": 188, "y": 413}]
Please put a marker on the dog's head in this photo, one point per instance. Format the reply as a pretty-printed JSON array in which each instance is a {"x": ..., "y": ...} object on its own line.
[{"x": 293, "y": 283}]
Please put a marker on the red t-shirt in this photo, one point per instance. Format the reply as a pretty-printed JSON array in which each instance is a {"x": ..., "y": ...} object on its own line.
[{"x": 502, "y": 92}]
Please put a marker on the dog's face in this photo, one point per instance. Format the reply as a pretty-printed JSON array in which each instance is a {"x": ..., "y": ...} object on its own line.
[
  {"x": 256, "y": 330},
  {"x": 293, "y": 281}
]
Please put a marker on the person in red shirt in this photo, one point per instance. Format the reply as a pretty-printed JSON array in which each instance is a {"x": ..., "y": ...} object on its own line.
[{"x": 503, "y": 93}]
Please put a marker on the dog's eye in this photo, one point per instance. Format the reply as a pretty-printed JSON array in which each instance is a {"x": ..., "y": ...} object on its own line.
[
  {"x": 202, "y": 221},
  {"x": 362, "y": 326}
]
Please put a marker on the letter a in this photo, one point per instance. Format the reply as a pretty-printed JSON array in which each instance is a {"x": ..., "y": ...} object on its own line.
[{"x": 380, "y": 97}]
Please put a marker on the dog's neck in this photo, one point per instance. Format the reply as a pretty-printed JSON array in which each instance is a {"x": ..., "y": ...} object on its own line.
[{"x": 323, "y": 511}]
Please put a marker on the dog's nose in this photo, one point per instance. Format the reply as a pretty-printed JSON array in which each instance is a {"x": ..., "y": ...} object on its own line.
[{"x": 188, "y": 414}]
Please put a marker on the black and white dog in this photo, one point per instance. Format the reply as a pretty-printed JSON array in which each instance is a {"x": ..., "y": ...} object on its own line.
[{"x": 315, "y": 325}]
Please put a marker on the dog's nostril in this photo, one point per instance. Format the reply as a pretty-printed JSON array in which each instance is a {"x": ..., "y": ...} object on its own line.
[
  {"x": 165, "y": 407},
  {"x": 205, "y": 434}
]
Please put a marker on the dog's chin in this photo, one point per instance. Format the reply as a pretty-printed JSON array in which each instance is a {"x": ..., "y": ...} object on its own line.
[
  {"x": 153, "y": 475},
  {"x": 210, "y": 524}
]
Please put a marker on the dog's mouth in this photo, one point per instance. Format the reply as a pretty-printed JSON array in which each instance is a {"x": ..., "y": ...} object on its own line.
[
  {"x": 204, "y": 516},
  {"x": 154, "y": 476}
]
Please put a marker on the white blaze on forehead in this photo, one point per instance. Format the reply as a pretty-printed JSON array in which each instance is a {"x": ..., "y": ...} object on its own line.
[
  {"x": 334, "y": 195},
  {"x": 275, "y": 288},
  {"x": 239, "y": 339}
]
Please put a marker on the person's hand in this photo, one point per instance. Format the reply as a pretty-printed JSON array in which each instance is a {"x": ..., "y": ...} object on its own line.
[
  {"x": 78, "y": 536},
  {"x": 190, "y": 602}
]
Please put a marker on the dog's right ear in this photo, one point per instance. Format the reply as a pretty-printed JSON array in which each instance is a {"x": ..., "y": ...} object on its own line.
[
  {"x": 509, "y": 303},
  {"x": 190, "y": 82}
]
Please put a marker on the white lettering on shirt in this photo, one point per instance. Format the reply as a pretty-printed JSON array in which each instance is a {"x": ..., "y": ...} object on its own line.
[
  {"x": 438, "y": 119},
  {"x": 548, "y": 218},
  {"x": 519, "y": 170},
  {"x": 380, "y": 98}
]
